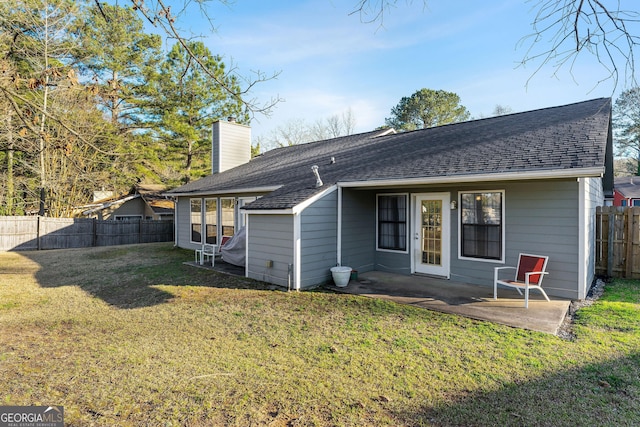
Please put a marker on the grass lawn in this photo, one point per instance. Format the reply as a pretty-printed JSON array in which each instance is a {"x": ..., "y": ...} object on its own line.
[{"x": 129, "y": 336}]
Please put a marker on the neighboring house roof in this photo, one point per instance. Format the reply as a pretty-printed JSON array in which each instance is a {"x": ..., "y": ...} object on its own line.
[
  {"x": 567, "y": 141},
  {"x": 628, "y": 186},
  {"x": 152, "y": 194}
]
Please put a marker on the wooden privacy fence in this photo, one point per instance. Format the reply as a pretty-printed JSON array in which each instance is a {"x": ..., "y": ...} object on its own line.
[
  {"x": 36, "y": 232},
  {"x": 618, "y": 241}
]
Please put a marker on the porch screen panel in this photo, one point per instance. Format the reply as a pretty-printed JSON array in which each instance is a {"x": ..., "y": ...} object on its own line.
[
  {"x": 211, "y": 220},
  {"x": 196, "y": 220},
  {"x": 432, "y": 232},
  {"x": 392, "y": 222},
  {"x": 481, "y": 216}
]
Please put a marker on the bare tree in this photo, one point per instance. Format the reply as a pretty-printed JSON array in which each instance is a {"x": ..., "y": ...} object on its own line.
[
  {"x": 501, "y": 110},
  {"x": 564, "y": 30},
  {"x": 299, "y": 131}
]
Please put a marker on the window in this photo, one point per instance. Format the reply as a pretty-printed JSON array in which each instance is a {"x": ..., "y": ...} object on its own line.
[
  {"x": 392, "y": 222},
  {"x": 211, "y": 220},
  {"x": 636, "y": 202},
  {"x": 196, "y": 220},
  {"x": 128, "y": 217},
  {"x": 481, "y": 225},
  {"x": 228, "y": 209}
]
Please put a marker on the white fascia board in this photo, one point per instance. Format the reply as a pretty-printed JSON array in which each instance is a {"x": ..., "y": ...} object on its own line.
[
  {"x": 297, "y": 208},
  {"x": 504, "y": 176},
  {"x": 226, "y": 192}
]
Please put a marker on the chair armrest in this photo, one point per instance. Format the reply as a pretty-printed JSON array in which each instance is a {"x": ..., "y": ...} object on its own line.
[
  {"x": 527, "y": 275},
  {"x": 497, "y": 269}
]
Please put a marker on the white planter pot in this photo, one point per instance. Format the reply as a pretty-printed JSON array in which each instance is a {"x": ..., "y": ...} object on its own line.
[{"x": 341, "y": 275}]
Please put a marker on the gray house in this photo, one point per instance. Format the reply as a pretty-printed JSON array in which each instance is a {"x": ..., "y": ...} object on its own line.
[{"x": 453, "y": 201}]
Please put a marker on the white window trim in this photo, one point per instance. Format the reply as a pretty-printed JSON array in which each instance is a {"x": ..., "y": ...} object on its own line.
[
  {"x": 204, "y": 218},
  {"x": 406, "y": 209},
  {"x": 191, "y": 222},
  {"x": 502, "y": 223},
  {"x": 123, "y": 217}
]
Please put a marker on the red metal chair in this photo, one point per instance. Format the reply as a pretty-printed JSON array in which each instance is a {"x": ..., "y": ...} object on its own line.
[{"x": 529, "y": 274}]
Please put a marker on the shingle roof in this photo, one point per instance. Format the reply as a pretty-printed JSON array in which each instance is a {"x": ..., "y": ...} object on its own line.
[
  {"x": 558, "y": 138},
  {"x": 628, "y": 186}
]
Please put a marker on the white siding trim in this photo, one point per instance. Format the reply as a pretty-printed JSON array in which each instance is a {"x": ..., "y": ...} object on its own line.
[
  {"x": 246, "y": 247},
  {"x": 296, "y": 251},
  {"x": 582, "y": 238},
  {"x": 176, "y": 220},
  {"x": 339, "y": 229}
]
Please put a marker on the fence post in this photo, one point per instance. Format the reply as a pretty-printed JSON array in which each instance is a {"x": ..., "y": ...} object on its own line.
[
  {"x": 140, "y": 230},
  {"x": 611, "y": 224},
  {"x": 628, "y": 261},
  {"x": 38, "y": 232}
]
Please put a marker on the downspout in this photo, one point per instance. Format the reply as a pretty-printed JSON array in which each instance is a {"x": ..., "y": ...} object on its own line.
[
  {"x": 339, "y": 228},
  {"x": 246, "y": 245}
]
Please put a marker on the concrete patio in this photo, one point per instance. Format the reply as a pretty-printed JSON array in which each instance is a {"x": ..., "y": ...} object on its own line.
[{"x": 471, "y": 301}]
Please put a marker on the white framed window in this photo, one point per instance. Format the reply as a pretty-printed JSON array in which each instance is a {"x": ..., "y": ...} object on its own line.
[
  {"x": 195, "y": 217},
  {"x": 227, "y": 216},
  {"x": 127, "y": 217},
  {"x": 481, "y": 225},
  {"x": 211, "y": 220},
  {"x": 391, "y": 222}
]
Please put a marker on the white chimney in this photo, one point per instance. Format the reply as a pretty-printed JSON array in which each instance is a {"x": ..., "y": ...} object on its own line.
[{"x": 231, "y": 145}]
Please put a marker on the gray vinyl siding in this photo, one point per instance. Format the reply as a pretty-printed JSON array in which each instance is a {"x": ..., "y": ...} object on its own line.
[
  {"x": 318, "y": 241},
  {"x": 541, "y": 217},
  {"x": 270, "y": 238},
  {"x": 359, "y": 229},
  {"x": 183, "y": 224}
]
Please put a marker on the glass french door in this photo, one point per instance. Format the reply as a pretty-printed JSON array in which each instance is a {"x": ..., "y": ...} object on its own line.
[{"x": 431, "y": 243}]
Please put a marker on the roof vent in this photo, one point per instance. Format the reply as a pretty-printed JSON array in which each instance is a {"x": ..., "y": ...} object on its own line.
[
  {"x": 333, "y": 160},
  {"x": 319, "y": 183}
]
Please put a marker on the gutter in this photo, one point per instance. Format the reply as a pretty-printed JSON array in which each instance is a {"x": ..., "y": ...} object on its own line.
[
  {"x": 504, "y": 176},
  {"x": 225, "y": 192}
]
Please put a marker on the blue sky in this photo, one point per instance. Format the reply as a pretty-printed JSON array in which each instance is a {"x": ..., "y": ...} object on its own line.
[{"x": 330, "y": 62}]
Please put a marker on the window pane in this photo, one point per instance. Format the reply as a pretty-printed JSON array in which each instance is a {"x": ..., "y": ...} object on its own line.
[
  {"x": 227, "y": 207},
  {"x": 211, "y": 220},
  {"x": 392, "y": 222},
  {"x": 196, "y": 219},
  {"x": 481, "y": 217}
]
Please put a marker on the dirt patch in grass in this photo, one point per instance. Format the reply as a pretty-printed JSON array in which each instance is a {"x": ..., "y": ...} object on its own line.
[{"x": 131, "y": 336}]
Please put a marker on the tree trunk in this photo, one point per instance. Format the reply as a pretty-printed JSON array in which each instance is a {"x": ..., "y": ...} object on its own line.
[{"x": 10, "y": 196}]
